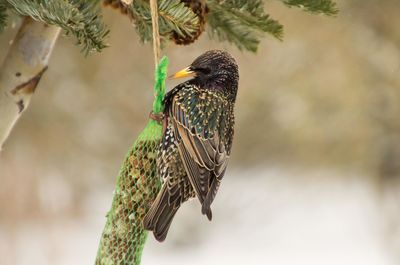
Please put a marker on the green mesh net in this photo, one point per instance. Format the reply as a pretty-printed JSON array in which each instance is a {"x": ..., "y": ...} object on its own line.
[{"x": 137, "y": 186}]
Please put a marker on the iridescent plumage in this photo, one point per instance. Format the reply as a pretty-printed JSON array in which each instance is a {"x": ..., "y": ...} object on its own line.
[{"x": 196, "y": 145}]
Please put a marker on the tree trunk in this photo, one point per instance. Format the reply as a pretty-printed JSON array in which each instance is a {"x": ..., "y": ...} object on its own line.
[{"x": 22, "y": 69}]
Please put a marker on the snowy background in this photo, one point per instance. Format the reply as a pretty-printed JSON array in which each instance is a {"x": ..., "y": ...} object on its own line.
[{"x": 275, "y": 216}]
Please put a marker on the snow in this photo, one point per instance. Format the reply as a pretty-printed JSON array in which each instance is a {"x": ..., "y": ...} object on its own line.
[{"x": 274, "y": 216}]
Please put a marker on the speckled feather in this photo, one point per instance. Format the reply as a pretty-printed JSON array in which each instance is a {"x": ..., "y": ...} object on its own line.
[{"x": 194, "y": 151}]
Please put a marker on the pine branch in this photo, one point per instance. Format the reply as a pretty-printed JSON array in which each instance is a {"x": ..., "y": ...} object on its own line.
[
  {"x": 3, "y": 15},
  {"x": 140, "y": 12},
  {"x": 174, "y": 16},
  {"x": 326, "y": 7},
  {"x": 241, "y": 22},
  {"x": 77, "y": 17}
]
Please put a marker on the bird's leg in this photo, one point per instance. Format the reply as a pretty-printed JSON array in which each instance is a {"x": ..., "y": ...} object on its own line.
[
  {"x": 165, "y": 124},
  {"x": 158, "y": 117},
  {"x": 161, "y": 118}
]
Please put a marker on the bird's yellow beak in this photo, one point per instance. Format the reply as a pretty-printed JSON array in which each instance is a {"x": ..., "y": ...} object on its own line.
[{"x": 183, "y": 73}]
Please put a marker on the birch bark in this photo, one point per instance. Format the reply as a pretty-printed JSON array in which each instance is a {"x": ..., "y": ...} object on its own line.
[{"x": 20, "y": 73}]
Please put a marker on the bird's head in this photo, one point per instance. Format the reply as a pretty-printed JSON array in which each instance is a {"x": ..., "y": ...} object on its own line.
[{"x": 213, "y": 69}]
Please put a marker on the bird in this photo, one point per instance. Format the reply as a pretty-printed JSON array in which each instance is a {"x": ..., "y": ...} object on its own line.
[{"x": 197, "y": 138}]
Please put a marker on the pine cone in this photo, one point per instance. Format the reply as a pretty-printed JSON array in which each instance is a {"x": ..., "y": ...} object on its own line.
[{"x": 200, "y": 8}]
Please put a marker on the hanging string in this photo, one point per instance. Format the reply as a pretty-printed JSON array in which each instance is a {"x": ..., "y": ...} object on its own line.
[
  {"x": 156, "y": 34},
  {"x": 161, "y": 67}
]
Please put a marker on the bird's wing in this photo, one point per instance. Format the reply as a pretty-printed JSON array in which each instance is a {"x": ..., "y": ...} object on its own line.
[
  {"x": 196, "y": 119},
  {"x": 176, "y": 188}
]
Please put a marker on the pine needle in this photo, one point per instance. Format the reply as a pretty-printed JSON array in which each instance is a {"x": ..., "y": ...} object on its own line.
[
  {"x": 241, "y": 22},
  {"x": 326, "y": 7},
  {"x": 77, "y": 17}
]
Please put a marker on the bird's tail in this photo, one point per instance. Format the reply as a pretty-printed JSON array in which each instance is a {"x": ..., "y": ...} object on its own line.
[
  {"x": 206, "y": 205},
  {"x": 158, "y": 219}
]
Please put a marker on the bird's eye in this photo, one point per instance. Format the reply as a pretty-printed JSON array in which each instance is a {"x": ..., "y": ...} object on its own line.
[{"x": 202, "y": 70}]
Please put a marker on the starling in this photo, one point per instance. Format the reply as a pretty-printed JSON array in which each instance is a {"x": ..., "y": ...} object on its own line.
[{"x": 197, "y": 139}]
